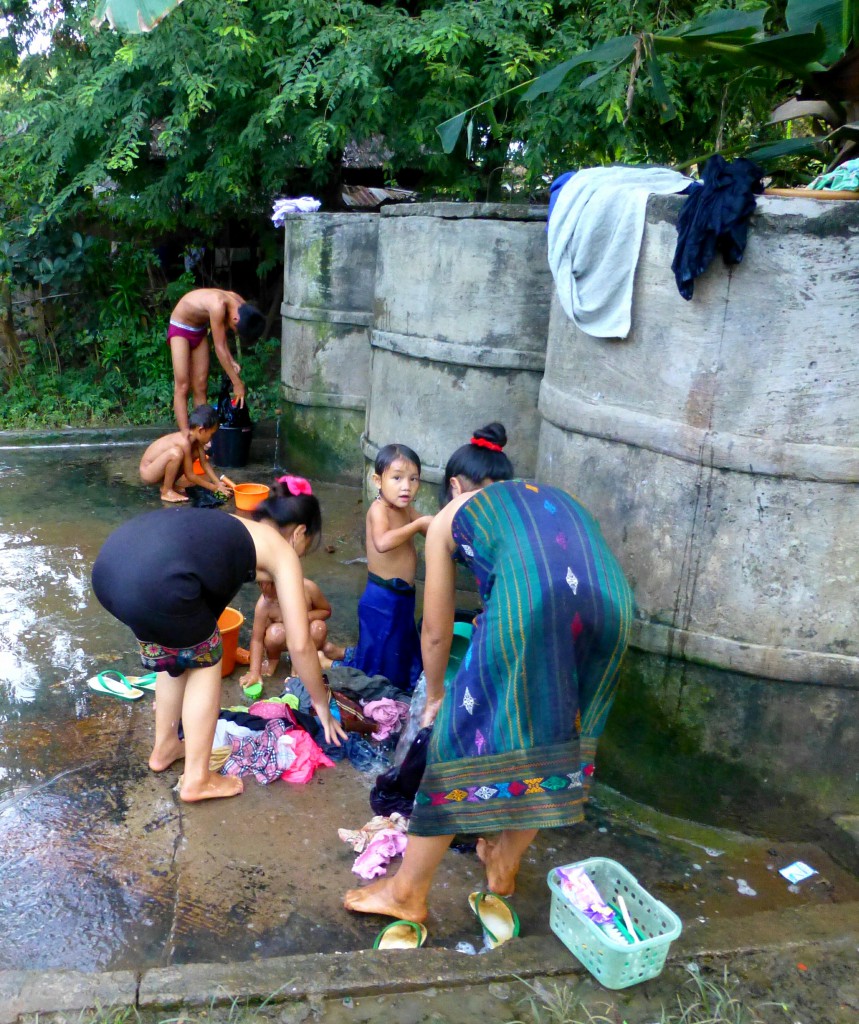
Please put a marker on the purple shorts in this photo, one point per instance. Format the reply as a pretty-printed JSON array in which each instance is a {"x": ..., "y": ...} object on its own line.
[
  {"x": 194, "y": 335},
  {"x": 176, "y": 660}
]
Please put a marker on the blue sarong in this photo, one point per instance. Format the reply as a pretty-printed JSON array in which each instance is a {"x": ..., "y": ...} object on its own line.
[{"x": 388, "y": 642}]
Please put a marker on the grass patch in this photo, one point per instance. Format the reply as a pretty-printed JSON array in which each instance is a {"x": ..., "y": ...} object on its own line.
[{"x": 699, "y": 1001}]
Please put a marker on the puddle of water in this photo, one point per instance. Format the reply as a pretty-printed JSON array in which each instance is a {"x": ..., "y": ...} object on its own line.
[{"x": 64, "y": 794}]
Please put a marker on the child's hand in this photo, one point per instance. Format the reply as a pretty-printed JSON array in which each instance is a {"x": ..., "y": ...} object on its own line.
[
  {"x": 250, "y": 679},
  {"x": 227, "y": 482},
  {"x": 333, "y": 730},
  {"x": 424, "y": 524}
]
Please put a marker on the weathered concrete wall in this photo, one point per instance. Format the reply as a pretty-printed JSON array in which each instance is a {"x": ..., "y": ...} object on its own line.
[
  {"x": 329, "y": 270},
  {"x": 459, "y": 329},
  {"x": 719, "y": 447}
]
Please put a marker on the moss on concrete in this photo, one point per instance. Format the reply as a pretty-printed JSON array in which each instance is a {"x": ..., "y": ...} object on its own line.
[
  {"x": 322, "y": 443},
  {"x": 694, "y": 742}
]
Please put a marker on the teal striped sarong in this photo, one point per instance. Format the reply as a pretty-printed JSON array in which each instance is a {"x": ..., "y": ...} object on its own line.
[{"x": 515, "y": 738}]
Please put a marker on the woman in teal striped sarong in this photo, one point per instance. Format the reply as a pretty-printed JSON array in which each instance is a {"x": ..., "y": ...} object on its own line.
[{"x": 515, "y": 733}]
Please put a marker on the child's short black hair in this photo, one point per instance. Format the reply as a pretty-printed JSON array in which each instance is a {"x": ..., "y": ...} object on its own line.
[
  {"x": 481, "y": 459},
  {"x": 251, "y": 322},
  {"x": 288, "y": 509},
  {"x": 204, "y": 417},
  {"x": 389, "y": 454}
]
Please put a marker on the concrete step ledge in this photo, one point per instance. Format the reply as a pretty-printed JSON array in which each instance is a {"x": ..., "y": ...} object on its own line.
[{"x": 368, "y": 972}]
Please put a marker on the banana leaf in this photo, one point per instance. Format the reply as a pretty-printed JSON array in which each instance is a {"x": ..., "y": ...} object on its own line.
[
  {"x": 804, "y": 15},
  {"x": 789, "y": 49},
  {"x": 448, "y": 131},
  {"x": 766, "y": 153},
  {"x": 733, "y": 25},
  {"x": 611, "y": 52},
  {"x": 132, "y": 16}
]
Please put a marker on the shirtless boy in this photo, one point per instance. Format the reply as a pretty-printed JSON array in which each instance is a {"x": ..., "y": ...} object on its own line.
[
  {"x": 195, "y": 314},
  {"x": 169, "y": 461}
]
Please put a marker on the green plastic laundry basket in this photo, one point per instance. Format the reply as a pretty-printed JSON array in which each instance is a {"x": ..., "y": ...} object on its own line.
[{"x": 614, "y": 964}]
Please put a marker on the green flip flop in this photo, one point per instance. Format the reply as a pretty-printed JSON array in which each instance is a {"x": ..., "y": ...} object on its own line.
[
  {"x": 401, "y": 935},
  {"x": 114, "y": 684},
  {"x": 499, "y": 920},
  {"x": 146, "y": 682}
]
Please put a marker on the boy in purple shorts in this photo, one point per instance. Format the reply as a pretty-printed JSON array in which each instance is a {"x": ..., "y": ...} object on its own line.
[{"x": 195, "y": 314}]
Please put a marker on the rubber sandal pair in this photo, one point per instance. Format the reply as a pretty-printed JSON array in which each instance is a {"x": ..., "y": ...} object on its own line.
[
  {"x": 499, "y": 920},
  {"x": 401, "y": 935},
  {"x": 113, "y": 683}
]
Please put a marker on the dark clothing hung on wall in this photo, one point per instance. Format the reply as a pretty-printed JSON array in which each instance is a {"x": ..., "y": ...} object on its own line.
[{"x": 715, "y": 218}]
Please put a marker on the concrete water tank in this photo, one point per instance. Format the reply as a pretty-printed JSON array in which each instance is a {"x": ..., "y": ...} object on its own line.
[
  {"x": 329, "y": 271},
  {"x": 718, "y": 445},
  {"x": 459, "y": 329}
]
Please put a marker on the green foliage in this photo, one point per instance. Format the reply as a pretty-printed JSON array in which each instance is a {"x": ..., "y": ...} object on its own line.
[
  {"x": 104, "y": 358},
  {"x": 727, "y": 45},
  {"x": 119, "y": 374},
  {"x": 226, "y": 105}
]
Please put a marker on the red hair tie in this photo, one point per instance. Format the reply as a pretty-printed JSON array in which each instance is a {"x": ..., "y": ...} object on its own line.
[
  {"x": 296, "y": 484},
  {"x": 483, "y": 443}
]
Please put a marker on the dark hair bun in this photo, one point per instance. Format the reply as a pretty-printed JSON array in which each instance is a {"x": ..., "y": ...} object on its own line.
[{"x": 493, "y": 432}]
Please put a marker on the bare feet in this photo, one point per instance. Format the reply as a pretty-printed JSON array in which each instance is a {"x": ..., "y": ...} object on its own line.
[
  {"x": 500, "y": 874},
  {"x": 324, "y": 662},
  {"x": 270, "y": 665},
  {"x": 173, "y": 496},
  {"x": 164, "y": 755},
  {"x": 378, "y": 898},
  {"x": 333, "y": 652},
  {"x": 215, "y": 786}
]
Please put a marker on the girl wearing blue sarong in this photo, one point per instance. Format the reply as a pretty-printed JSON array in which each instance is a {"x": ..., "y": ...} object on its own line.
[
  {"x": 388, "y": 643},
  {"x": 515, "y": 733}
]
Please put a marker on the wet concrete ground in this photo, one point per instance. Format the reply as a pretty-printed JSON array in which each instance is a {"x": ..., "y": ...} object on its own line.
[{"x": 102, "y": 867}]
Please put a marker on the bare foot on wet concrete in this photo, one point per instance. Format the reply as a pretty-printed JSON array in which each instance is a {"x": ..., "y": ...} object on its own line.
[
  {"x": 215, "y": 787},
  {"x": 500, "y": 874},
  {"x": 378, "y": 898},
  {"x": 163, "y": 756},
  {"x": 173, "y": 496}
]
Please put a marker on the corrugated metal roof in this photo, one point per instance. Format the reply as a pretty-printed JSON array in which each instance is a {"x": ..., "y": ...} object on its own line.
[{"x": 359, "y": 197}]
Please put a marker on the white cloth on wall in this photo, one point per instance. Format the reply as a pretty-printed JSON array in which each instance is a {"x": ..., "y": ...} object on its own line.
[
  {"x": 594, "y": 238},
  {"x": 281, "y": 207}
]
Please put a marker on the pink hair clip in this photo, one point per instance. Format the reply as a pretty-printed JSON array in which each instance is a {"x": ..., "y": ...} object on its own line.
[{"x": 296, "y": 484}]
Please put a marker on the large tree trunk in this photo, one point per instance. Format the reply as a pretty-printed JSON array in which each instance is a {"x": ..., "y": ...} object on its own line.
[{"x": 11, "y": 356}]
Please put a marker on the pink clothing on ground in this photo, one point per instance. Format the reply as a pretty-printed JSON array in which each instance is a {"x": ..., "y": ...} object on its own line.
[
  {"x": 308, "y": 757},
  {"x": 388, "y": 713},
  {"x": 381, "y": 849}
]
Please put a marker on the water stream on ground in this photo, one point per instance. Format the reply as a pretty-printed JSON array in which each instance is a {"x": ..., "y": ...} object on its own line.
[{"x": 103, "y": 867}]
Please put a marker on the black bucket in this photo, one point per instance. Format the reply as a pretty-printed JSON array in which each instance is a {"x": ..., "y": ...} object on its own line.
[{"x": 231, "y": 446}]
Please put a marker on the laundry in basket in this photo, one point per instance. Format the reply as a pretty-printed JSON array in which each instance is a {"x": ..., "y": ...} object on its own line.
[{"x": 616, "y": 955}]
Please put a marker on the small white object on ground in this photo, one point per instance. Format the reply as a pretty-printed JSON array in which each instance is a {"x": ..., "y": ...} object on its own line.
[{"x": 797, "y": 871}]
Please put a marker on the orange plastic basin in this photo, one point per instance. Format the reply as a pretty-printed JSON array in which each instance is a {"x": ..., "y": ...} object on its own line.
[
  {"x": 248, "y": 496},
  {"x": 229, "y": 623}
]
